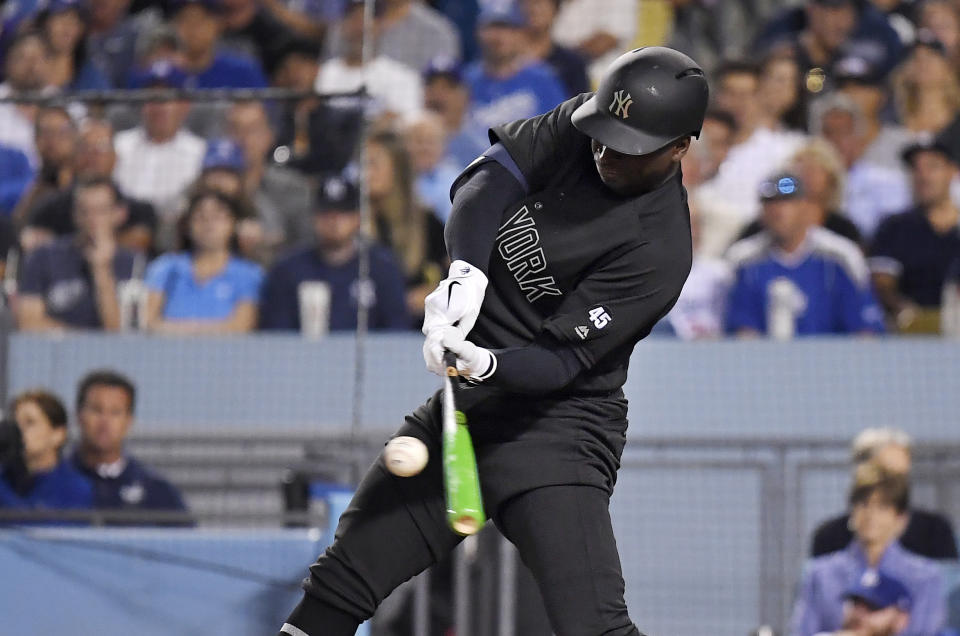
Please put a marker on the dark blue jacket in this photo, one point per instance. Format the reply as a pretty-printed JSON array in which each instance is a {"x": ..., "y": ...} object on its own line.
[
  {"x": 63, "y": 487},
  {"x": 136, "y": 488}
]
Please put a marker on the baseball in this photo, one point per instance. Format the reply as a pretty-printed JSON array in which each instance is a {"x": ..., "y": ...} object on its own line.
[{"x": 405, "y": 456}]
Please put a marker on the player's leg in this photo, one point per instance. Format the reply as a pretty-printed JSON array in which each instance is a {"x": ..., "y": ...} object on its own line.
[
  {"x": 565, "y": 537},
  {"x": 393, "y": 529}
]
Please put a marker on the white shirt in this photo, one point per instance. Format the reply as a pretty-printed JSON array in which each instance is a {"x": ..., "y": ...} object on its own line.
[
  {"x": 578, "y": 20},
  {"x": 16, "y": 130},
  {"x": 747, "y": 164},
  {"x": 873, "y": 193},
  {"x": 394, "y": 87},
  {"x": 702, "y": 303},
  {"x": 157, "y": 172}
]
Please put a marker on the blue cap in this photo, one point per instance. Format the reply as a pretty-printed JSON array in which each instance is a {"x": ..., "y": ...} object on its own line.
[
  {"x": 784, "y": 185},
  {"x": 58, "y": 6},
  {"x": 879, "y": 591},
  {"x": 223, "y": 154},
  {"x": 857, "y": 69},
  {"x": 160, "y": 73},
  {"x": 339, "y": 192},
  {"x": 444, "y": 66},
  {"x": 502, "y": 12}
]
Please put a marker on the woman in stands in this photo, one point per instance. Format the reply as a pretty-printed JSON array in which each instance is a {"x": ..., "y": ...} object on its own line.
[
  {"x": 401, "y": 222},
  {"x": 206, "y": 289},
  {"x": 33, "y": 474},
  {"x": 925, "y": 87},
  {"x": 63, "y": 25}
]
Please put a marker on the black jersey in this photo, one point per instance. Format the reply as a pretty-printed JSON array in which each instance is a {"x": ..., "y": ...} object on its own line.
[{"x": 594, "y": 269}]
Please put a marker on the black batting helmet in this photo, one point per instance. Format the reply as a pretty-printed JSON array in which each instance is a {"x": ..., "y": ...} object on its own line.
[{"x": 646, "y": 99}]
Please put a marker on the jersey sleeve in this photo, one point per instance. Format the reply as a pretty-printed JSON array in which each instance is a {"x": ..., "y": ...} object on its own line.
[
  {"x": 885, "y": 256},
  {"x": 157, "y": 274},
  {"x": 746, "y": 305},
  {"x": 249, "y": 284},
  {"x": 859, "y": 311},
  {"x": 617, "y": 305},
  {"x": 539, "y": 143}
]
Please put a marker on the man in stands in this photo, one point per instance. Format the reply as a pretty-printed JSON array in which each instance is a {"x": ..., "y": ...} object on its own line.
[{"x": 106, "y": 401}]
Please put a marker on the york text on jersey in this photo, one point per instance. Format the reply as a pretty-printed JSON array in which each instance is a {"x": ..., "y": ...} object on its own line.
[{"x": 518, "y": 243}]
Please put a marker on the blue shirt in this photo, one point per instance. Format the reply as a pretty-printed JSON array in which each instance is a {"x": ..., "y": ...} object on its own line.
[
  {"x": 829, "y": 280},
  {"x": 186, "y": 298},
  {"x": 819, "y": 606},
  {"x": 433, "y": 188},
  {"x": 229, "y": 70},
  {"x": 15, "y": 175},
  {"x": 62, "y": 487},
  {"x": 280, "y": 307},
  {"x": 59, "y": 273},
  {"x": 136, "y": 487},
  {"x": 532, "y": 90}
]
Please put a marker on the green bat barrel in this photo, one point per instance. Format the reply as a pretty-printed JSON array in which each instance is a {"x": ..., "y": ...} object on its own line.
[{"x": 464, "y": 504}]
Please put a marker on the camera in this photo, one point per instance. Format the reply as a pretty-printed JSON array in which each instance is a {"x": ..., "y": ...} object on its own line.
[{"x": 12, "y": 465}]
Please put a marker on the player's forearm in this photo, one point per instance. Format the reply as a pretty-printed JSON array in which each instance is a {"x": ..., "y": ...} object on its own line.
[
  {"x": 535, "y": 369},
  {"x": 478, "y": 206}
]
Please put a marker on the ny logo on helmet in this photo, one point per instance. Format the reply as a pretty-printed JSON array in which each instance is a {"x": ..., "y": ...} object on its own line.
[{"x": 621, "y": 104}]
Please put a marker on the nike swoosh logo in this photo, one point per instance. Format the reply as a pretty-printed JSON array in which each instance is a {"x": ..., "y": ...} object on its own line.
[{"x": 450, "y": 292}]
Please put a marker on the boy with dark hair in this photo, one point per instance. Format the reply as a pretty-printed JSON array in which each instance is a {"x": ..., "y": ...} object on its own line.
[{"x": 878, "y": 511}]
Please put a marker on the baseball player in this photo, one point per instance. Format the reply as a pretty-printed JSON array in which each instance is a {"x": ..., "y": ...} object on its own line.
[{"x": 569, "y": 239}]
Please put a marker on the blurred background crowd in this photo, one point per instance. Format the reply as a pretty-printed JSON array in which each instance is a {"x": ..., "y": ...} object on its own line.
[{"x": 823, "y": 187}]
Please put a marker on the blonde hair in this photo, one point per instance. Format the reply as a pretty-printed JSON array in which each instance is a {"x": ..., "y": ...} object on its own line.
[
  {"x": 826, "y": 156},
  {"x": 906, "y": 97},
  {"x": 870, "y": 478},
  {"x": 400, "y": 216},
  {"x": 870, "y": 440}
]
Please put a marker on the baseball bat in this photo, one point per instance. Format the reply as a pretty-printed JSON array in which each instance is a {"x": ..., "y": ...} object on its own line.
[{"x": 461, "y": 482}]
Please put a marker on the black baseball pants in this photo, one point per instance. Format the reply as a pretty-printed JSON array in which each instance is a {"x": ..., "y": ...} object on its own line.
[{"x": 396, "y": 527}]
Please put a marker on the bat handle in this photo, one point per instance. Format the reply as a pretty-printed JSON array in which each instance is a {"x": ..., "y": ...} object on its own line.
[{"x": 450, "y": 362}]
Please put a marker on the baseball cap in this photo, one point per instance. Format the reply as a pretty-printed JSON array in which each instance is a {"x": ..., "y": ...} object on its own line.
[
  {"x": 223, "y": 154},
  {"x": 338, "y": 192},
  {"x": 213, "y": 6},
  {"x": 506, "y": 13},
  {"x": 857, "y": 69},
  {"x": 160, "y": 73},
  {"x": 781, "y": 186},
  {"x": 926, "y": 37},
  {"x": 59, "y": 6},
  {"x": 443, "y": 66},
  {"x": 927, "y": 143},
  {"x": 879, "y": 591}
]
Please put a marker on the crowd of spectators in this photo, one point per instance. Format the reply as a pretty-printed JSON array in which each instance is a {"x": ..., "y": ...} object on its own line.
[{"x": 823, "y": 187}]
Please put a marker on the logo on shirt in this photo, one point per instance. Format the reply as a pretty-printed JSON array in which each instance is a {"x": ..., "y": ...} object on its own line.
[
  {"x": 599, "y": 317},
  {"x": 582, "y": 331},
  {"x": 518, "y": 243},
  {"x": 620, "y": 106},
  {"x": 133, "y": 493},
  {"x": 65, "y": 294}
]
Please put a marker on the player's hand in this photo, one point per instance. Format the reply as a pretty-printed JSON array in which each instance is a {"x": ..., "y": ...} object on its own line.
[
  {"x": 473, "y": 362},
  {"x": 456, "y": 300}
]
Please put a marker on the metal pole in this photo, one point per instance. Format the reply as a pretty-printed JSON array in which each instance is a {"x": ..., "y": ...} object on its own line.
[
  {"x": 364, "y": 286},
  {"x": 461, "y": 586},
  {"x": 421, "y": 604},
  {"x": 507, "y": 605}
]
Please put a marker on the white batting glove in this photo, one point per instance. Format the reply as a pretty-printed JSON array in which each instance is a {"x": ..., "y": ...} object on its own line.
[
  {"x": 456, "y": 301},
  {"x": 474, "y": 363}
]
